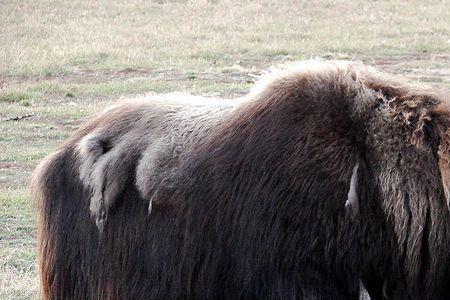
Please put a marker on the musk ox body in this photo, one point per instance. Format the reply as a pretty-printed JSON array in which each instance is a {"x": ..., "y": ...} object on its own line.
[{"x": 326, "y": 174}]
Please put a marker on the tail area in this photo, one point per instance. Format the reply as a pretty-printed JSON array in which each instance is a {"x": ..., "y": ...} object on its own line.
[
  {"x": 76, "y": 259},
  {"x": 67, "y": 237}
]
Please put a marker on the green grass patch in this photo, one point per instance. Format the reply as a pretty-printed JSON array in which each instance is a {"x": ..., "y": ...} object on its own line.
[
  {"x": 18, "y": 266},
  {"x": 14, "y": 97}
]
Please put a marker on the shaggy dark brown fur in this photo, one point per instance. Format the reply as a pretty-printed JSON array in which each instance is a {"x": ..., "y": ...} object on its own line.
[{"x": 327, "y": 173}]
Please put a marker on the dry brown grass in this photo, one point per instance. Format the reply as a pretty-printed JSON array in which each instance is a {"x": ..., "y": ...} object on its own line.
[{"x": 42, "y": 37}]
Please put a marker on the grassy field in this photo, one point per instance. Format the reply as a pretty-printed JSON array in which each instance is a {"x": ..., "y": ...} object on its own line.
[{"x": 61, "y": 62}]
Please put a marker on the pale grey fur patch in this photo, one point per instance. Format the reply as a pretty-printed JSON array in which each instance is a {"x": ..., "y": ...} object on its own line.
[
  {"x": 91, "y": 148},
  {"x": 150, "y": 205},
  {"x": 363, "y": 293},
  {"x": 117, "y": 171},
  {"x": 110, "y": 173},
  {"x": 352, "y": 202},
  {"x": 97, "y": 203},
  {"x": 152, "y": 162},
  {"x": 147, "y": 146},
  {"x": 103, "y": 170},
  {"x": 96, "y": 182}
]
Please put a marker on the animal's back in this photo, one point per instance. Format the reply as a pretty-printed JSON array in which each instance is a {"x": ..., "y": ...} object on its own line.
[
  {"x": 234, "y": 216},
  {"x": 76, "y": 186}
]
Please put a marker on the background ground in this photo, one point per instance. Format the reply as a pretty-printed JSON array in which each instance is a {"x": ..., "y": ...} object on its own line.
[{"x": 61, "y": 62}]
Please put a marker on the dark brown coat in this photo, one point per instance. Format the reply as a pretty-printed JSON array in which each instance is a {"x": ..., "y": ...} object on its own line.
[{"x": 326, "y": 173}]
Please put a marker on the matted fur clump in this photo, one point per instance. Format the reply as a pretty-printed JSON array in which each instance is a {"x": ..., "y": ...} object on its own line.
[{"x": 325, "y": 175}]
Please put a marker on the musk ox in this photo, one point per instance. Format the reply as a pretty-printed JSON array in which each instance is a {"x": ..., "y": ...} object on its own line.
[{"x": 326, "y": 174}]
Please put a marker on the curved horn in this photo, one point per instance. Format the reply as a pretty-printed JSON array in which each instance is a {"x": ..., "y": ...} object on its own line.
[{"x": 352, "y": 202}]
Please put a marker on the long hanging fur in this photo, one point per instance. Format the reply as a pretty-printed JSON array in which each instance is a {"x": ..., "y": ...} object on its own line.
[{"x": 327, "y": 172}]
